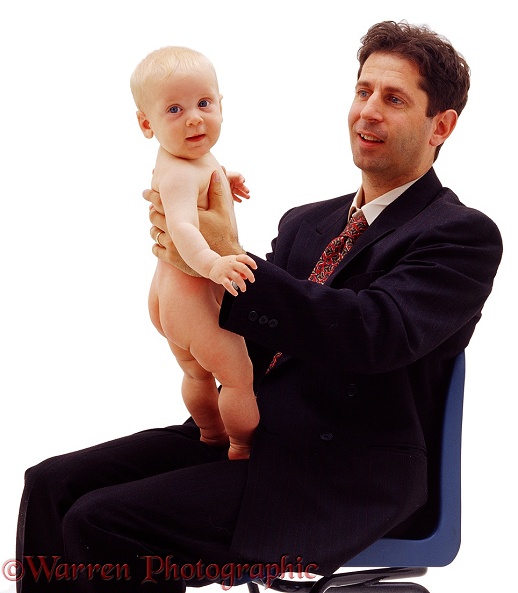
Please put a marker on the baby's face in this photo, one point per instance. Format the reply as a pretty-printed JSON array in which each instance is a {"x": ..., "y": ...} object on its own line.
[{"x": 184, "y": 113}]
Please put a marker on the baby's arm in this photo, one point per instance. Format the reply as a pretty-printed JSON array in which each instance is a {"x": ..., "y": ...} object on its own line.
[{"x": 179, "y": 191}]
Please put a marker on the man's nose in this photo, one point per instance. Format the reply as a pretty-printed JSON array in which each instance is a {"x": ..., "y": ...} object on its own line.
[{"x": 372, "y": 109}]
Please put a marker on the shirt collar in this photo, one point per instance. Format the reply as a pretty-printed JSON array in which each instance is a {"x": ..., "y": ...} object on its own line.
[{"x": 373, "y": 209}]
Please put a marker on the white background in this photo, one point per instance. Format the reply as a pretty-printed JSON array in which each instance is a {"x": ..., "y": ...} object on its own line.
[{"x": 80, "y": 360}]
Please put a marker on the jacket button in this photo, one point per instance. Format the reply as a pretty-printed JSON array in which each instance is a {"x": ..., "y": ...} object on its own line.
[
  {"x": 263, "y": 320},
  {"x": 327, "y": 436},
  {"x": 273, "y": 323},
  {"x": 352, "y": 390},
  {"x": 253, "y": 315}
]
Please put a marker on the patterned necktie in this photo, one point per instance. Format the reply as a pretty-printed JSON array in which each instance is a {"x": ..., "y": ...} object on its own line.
[
  {"x": 333, "y": 254},
  {"x": 338, "y": 248}
]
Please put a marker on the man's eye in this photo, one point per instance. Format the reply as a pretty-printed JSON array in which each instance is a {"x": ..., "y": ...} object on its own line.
[
  {"x": 174, "y": 109},
  {"x": 395, "y": 100},
  {"x": 204, "y": 103}
]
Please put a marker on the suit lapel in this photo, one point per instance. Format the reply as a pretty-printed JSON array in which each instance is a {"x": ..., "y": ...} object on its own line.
[
  {"x": 409, "y": 204},
  {"x": 313, "y": 235}
]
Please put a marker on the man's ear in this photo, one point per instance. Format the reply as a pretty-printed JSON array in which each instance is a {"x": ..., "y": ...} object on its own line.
[
  {"x": 144, "y": 124},
  {"x": 445, "y": 123}
]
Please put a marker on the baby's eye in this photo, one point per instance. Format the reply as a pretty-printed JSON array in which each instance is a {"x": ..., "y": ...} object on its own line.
[
  {"x": 204, "y": 103},
  {"x": 174, "y": 109}
]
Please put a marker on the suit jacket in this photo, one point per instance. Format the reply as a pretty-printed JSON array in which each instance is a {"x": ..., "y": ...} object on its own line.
[{"x": 350, "y": 414}]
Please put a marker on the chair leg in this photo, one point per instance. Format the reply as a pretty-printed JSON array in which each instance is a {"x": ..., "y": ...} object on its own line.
[
  {"x": 384, "y": 588},
  {"x": 253, "y": 587},
  {"x": 361, "y": 581}
]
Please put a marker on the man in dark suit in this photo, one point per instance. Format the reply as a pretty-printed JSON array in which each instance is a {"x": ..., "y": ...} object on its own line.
[{"x": 349, "y": 410}]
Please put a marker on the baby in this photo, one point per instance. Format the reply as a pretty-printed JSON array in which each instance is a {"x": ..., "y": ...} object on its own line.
[{"x": 178, "y": 101}]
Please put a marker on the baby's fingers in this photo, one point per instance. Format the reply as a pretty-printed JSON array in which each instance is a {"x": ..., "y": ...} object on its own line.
[
  {"x": 246, "y": 259},
  {"x": 230, "y": 286},
  {"x": 245, "y": 272}
]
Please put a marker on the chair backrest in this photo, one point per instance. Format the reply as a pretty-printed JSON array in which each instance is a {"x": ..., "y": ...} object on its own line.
[{"x": 440, "y": 547}]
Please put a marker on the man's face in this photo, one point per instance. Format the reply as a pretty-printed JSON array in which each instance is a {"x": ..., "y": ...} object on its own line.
[{"x": 391, "y": 136}]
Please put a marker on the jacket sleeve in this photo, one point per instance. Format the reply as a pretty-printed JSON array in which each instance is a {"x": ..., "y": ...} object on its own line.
[{"x": 384, "y": 318}]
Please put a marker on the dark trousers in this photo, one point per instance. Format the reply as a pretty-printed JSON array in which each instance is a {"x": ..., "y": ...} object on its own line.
[{"x": 152, "y": 511}]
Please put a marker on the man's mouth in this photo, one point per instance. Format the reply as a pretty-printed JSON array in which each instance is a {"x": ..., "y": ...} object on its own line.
[{"x": 369, "y": 138}]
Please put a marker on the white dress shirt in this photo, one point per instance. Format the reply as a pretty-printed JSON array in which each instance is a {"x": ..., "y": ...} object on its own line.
[{"x": 373, "y": 209}]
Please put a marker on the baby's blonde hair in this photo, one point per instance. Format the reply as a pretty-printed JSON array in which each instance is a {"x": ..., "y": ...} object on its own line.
[{"x": 162, "y": 63}]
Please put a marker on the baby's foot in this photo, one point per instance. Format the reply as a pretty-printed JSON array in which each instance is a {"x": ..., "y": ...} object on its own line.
[
  {"x": 215, "y": 440},
  {"x": 238, "y": 451}
]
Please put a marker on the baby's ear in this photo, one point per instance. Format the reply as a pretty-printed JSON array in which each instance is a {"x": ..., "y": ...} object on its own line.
[{"x": 144, "y": 124}]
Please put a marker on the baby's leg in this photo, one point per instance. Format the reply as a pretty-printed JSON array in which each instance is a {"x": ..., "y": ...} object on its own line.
[
  {"x": 188, "y": 310},
  {"x": 200, "y": 395},
  {"x": 226, "y": 355}
]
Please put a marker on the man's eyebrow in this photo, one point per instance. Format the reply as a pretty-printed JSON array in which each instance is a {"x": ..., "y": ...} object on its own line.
[
  {"x": 388, "y": 89},
  {"x": 362, "y": 82}
]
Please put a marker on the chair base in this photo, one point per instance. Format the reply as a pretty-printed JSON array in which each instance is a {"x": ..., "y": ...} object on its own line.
[{"x": 361, "y": 581}]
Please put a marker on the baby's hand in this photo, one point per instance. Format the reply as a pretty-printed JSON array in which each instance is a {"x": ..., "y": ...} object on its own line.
[
  {"x": 233, "y": 269},
  {"x": 237, "y": 186}
]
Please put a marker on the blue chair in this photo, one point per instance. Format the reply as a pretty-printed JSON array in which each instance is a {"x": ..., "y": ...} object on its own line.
[{"x": 411, "y": 556}]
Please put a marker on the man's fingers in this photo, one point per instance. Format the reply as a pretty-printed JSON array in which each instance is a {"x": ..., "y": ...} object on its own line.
[
  {"x": 154, "y": 198},
  {"x": 157, "y": 219},
  {"x": 157, "y": 233},
  {"x": 157, "y": 250},
  {"x": 215, "y": 192}
]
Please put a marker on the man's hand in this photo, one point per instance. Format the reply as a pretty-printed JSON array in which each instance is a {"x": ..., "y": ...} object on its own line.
[
  {"x": 215, "y": 223},
  {"x": 215, "y": 226}
]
